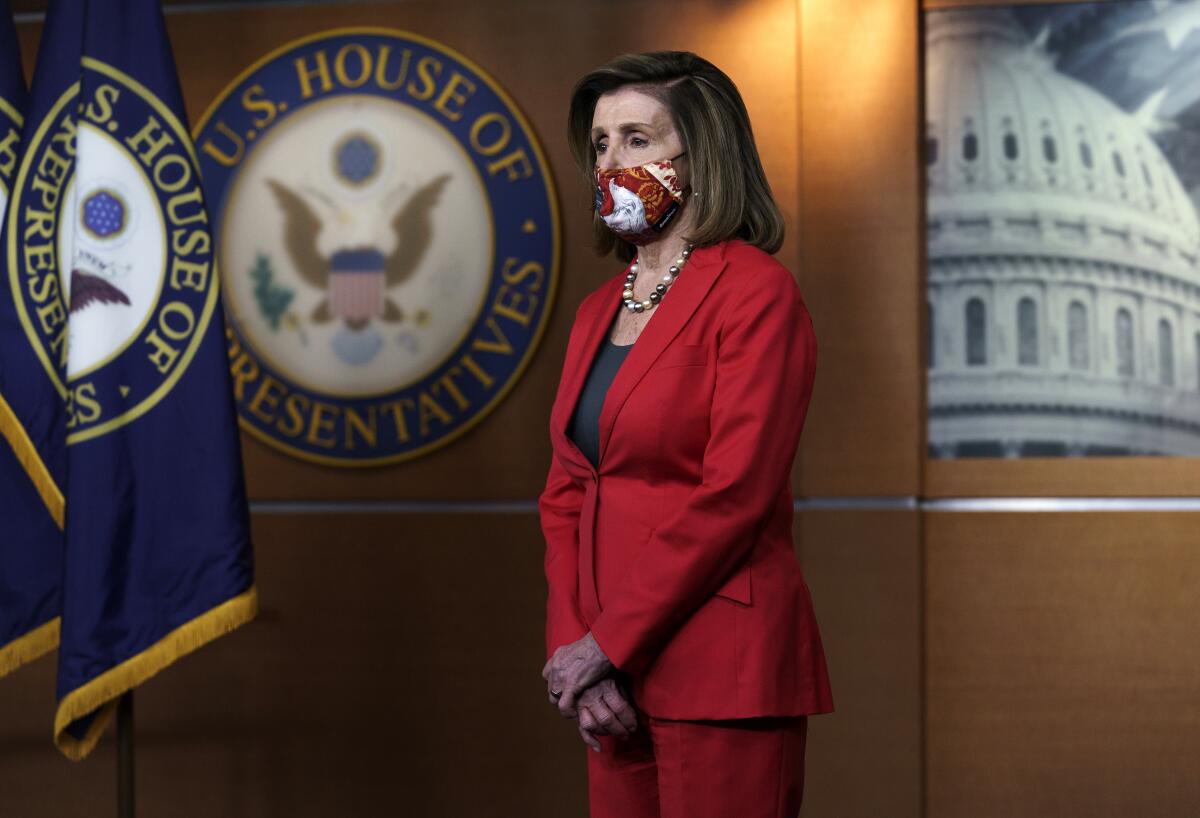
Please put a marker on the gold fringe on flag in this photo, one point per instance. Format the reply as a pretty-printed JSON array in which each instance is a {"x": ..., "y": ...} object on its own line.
[
  {"x": 24, "y": 649},
  {"x": 102, "y": 692}
]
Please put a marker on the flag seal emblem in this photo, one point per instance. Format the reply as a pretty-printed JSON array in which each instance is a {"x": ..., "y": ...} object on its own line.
[
  {"x": 115, "y": 314},
  {"x": 388, "y": 239}
]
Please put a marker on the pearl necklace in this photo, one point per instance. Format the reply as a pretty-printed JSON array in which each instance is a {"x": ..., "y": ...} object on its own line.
[{"x": 659, "y": 290}]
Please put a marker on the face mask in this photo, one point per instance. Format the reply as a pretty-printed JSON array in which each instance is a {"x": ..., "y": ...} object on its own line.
[{"x": 638, "y": 203}]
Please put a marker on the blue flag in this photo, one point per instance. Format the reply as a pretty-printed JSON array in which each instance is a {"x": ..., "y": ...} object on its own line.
[
  {"x": 32, "y": 444},
  {"x": 118, "y": 297}
]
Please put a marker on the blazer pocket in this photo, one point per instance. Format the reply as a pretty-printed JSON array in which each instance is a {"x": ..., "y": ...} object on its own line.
[
  {"x": 738, "y": 588},
  {"x": 683, "y": 355}
]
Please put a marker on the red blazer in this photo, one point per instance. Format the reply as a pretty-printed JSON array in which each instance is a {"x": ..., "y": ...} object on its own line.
[{"x": 676, "y": 553}]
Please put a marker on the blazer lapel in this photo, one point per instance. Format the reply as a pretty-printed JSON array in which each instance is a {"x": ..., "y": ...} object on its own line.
[
  {"x": 695, "y": 280},
  {"x": 594, "y": 328}
]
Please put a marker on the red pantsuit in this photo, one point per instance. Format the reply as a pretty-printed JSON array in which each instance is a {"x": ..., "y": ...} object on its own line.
[
  {"x": 684, "y": 769},
  {"x": 676, "y": 551}
]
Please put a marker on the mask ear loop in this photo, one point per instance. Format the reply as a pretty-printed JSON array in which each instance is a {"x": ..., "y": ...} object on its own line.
[{"x": 689, "y": 187}]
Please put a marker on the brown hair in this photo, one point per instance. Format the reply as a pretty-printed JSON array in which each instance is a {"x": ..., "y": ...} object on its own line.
[{"x": 734, "y": 196}]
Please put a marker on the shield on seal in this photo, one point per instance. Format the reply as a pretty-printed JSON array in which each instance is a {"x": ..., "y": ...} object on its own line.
[{"x": 356, "y": 284}]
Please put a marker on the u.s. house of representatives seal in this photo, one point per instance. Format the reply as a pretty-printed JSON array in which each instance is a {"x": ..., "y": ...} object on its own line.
[
  {"x": 109, "y": 250},
  {"x": 388, "y": 237}
]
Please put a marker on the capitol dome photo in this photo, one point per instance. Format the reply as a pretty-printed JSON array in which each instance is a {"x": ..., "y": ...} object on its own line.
[{"x": 1063, "y": 259}]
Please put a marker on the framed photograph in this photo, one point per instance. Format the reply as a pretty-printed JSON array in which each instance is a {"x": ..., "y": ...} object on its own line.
[{"x": 1062, "y": 160}]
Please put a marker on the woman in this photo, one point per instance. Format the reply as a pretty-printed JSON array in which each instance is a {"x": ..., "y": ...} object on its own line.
[{"x": 679, "y": 624}]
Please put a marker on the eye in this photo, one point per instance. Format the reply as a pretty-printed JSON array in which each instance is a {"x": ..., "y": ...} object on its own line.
[
  {"x": 599, "y": 147},
  {"x": 638, "y": 141}
]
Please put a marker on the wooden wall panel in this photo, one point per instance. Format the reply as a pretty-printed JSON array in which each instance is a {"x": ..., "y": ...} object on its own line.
[
  {"x": 864, "y": 571},
  {"x": 394, "y": 671},
  {"x": 1064, "y": 477},
  {"x": 1063, "y": 670},
  {"x": 35, "y": 780},
  {"x": 860, "y": 246}
]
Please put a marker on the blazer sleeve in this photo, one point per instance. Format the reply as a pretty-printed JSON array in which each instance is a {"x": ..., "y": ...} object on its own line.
[
  {"x": 559, "y": 506},
  {"x": 766, "y": 361}
]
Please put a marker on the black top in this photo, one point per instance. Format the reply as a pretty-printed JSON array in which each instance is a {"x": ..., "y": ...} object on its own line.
[{"x": 584, "y": 428}]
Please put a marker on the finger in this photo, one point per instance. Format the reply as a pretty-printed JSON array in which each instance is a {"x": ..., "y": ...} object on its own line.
[
  {"x": 589, "y": 739},
  {"x": 587, "y": 720},
  {"x": 621, "y": 708},
  {"x": 611, "y": 724},
  {"x": 546, "y": 668},
  {"x": 566, "y": 704}
]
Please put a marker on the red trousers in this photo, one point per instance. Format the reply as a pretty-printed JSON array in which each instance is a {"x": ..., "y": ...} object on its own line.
[{"x": 749, "y": 768}]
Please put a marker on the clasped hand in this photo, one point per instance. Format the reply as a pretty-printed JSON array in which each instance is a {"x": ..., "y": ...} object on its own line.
[{"x": 578, "y": 681}]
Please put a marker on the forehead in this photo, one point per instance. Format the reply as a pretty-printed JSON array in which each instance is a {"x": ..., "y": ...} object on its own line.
[{"x": 627, "y": 104}]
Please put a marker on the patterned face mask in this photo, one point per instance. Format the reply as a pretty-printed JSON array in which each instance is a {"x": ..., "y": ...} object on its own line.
[{"x": 638, "y": 203}]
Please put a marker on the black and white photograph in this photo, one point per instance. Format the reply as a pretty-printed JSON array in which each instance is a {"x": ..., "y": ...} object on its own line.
[{"x": 1063, "y": 174}]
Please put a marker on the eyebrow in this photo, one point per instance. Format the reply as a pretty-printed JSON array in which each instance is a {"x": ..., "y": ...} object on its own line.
[{"x": 626, "y": 127}]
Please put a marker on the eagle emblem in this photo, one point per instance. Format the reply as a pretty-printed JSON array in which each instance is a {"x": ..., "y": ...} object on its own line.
[
  {"x": 104, "y": 215},
  {"x": 356, "y": 280}
]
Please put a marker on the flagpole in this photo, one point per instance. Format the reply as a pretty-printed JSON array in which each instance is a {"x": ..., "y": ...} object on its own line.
[{"x": 125, "y": 800}]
